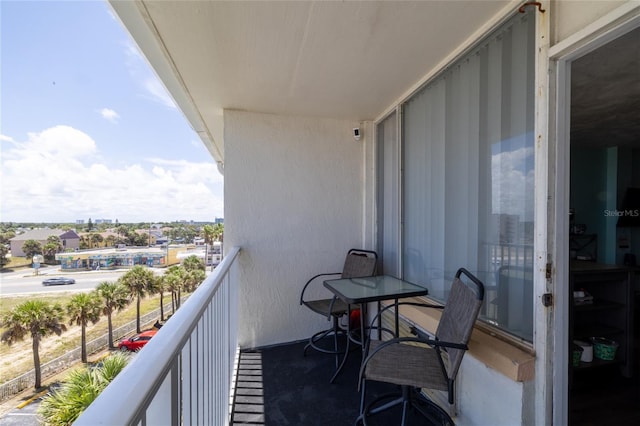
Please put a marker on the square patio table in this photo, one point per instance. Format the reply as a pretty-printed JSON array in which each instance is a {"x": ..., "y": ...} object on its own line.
[{"x": 363, "y": 290}]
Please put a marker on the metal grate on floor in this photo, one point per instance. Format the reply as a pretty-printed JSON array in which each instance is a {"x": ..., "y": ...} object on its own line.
[{"x": 248, "y": 405}]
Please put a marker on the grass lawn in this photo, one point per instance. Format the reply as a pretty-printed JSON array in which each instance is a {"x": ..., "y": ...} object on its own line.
[
  {"x": 18, "y": 358},
  {"x": 18, "y": 262}
]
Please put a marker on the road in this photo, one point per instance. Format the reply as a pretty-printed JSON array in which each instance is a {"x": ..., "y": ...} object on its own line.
[
  {"x": 25, "y": 282},
  {"x": 23, "y": 416}
]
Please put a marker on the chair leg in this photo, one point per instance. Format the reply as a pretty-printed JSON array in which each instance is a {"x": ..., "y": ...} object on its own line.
[
  {"x": 360, "y": 419},
  {"x": 335, "y": 330},
  {"x": 409, "y": 400},
  {"x": 406, "y": 403},
  {"x": 430, "y": 410},
  {"x": 315, "y": 338},
  {"x": 363, "y": 397},
  {"x": 405, "y": 406}
]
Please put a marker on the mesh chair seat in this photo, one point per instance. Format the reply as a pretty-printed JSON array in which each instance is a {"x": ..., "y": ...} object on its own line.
[
  {"x": 358, "y": 263},
  {"x": 415, "y": 363},
  {"x": 322, "y": 306},
  {"x": 406, "y": 364}
]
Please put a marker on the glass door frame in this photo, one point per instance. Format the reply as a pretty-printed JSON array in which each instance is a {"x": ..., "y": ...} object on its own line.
[{"x": 561, "y": 55}]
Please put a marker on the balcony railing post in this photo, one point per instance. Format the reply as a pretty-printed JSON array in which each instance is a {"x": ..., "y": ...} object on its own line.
[{"x": 184, "y": 373}]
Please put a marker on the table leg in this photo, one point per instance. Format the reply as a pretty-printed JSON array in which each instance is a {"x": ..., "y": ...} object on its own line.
[
  {"x": 397, "y": 318},
  {"x": 348, "y": 348},
  {"x": 361, "y": 341}
]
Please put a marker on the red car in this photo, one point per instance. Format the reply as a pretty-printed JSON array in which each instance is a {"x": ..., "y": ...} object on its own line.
[{"x": 136, "y": 342}]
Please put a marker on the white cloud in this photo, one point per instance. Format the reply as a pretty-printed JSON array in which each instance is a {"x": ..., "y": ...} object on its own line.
[
  {"x": 55, "y": 176},
  {"x": 512, "y": 177},
  {"x": 144, "y": 77},
  {"x": 158, "y": 92},
  {"x": 110, "y": 115}
]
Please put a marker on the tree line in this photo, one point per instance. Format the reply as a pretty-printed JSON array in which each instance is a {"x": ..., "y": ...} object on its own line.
[
  {"x": 39, "y": 319},
  {"x": 124, "y": 235}
]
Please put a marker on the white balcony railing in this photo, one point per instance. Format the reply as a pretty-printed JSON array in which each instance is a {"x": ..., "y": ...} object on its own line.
[{"x": 184, "y": 374}]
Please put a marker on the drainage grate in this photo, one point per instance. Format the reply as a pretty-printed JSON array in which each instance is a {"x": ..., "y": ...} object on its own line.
[{"x": 248, "y": 404}]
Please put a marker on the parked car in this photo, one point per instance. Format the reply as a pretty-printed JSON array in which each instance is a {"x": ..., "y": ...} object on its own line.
[
  {"x": 136, "y": 342},
  {"x": 58, "y": 281}
]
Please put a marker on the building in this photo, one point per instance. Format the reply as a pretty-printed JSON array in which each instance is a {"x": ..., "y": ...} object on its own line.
[
  {"x": 211, "y": 255},
  {"x": 119, "y": 258},
  {"x": 464, "y": 110},
  {"x": 70, "y": 239}
]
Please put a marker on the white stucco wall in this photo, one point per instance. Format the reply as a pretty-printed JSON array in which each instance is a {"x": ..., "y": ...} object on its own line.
[
  {"x": 294, "y": 194},
  {"x": 486, "y": 397}
]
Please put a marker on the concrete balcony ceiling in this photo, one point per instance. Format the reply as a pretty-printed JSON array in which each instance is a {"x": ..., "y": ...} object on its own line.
[{"x": 345, "y": 60}]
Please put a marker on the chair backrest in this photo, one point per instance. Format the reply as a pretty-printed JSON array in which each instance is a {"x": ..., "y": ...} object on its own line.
[
  {"x": 459, "y": 315},
  {"x": 360, "y": 263}
]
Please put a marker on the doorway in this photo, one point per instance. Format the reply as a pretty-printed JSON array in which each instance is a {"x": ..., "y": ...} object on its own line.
[{"x": 604, "y": 233}]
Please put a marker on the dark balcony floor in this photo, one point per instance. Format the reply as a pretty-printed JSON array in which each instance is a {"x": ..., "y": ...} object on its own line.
[{"x": 278, "y": 386}]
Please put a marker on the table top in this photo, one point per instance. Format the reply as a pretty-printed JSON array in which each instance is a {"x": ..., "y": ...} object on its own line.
[{"x": 372, "y": 289}]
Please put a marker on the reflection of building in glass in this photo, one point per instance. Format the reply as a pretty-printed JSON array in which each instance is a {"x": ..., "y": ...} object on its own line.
[
  {"x": 505, "y": 228},
  {"x": 508, "y": 229}
]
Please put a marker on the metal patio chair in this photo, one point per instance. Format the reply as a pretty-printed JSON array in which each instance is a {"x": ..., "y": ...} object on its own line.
[
  {"x": 415, "y": 363},
  {"x": 358, "y": 263}
]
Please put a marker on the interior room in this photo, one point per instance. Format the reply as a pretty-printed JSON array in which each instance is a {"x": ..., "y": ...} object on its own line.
[{"x": 605, "y": 233}]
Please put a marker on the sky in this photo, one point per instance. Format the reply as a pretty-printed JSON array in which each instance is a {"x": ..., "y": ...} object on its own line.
[{"x": 87, "y": 130}]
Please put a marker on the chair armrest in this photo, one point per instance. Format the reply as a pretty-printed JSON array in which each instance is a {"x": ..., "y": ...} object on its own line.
[
  {"x": 311, "y": 280},
  {"x": 431, "y": 342},
  {"x": 381, "y": 311}
]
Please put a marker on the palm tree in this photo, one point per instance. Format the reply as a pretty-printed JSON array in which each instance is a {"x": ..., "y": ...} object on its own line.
[
  {"x": 174, "y": 280},
  {"x": 80, "y": 388},
  {"x": 193, "y": 263},
  {"x": 3, "y": 255},
  {"x": 31, "y": 247},
  {"x": 85, "y": 242},
  {"x": 115, "y": 297},
  {"x": 122, "y": 230},
  {"x": 49, "y": 251},
  {"x": 110, "y": 241},
  {"x": 159, "y": 287},
  {"x": 137, "y": 280},
  {"x": 96, "y": 239},
  {"x": 82, "y": 309},
  {"x": 35, "y": 317},
  {"x": 193, "y": 279},
  {"x": 218, "y": 232},
  {"x": 218, "y": 235},
  {"x": 54, "y": 245},
  {"x": 207, "y": 232}
]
